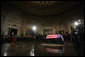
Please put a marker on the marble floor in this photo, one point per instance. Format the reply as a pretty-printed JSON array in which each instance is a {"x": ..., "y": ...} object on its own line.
[{"x": 40, "y": 48}]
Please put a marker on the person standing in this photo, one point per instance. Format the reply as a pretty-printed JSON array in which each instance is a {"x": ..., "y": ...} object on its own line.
[
  {"x": 13, "y": 41},
  {"x": 44, "y": 36},
  {"x": 76, "y": 38},
  {"x": 67, "y": 37}
]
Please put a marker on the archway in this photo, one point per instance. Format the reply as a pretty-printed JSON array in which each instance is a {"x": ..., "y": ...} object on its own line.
[{"x": 13, "y": 29}]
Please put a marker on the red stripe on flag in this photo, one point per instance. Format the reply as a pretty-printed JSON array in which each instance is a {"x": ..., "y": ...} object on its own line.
[{"x": 51, "y": 36}]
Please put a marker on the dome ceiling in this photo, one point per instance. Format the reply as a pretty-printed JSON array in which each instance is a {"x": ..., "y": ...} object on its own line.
[{"x": 45, "y": 7}]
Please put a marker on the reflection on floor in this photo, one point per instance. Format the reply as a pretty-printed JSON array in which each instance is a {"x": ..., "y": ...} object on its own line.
[{"x": 32, "y": 48}]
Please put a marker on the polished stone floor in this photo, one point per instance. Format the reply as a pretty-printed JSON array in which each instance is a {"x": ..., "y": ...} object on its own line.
[{"x": 40, "y": 48}]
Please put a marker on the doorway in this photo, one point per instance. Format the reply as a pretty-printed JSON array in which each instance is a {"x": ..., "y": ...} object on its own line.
[{"x": 13, "y": 30}]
